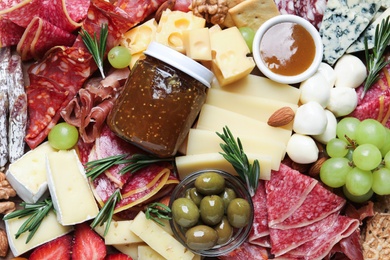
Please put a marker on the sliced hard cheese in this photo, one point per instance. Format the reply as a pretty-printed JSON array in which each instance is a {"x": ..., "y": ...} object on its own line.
[
  {"x": 147, "y": 253},
  {"x": 257, "y": 86},
  {"x": 47, "y": 231},
  {"x": 118, "y": 234},
  {"x": 188, "y": 164},
  {"x": 213, "y": 118},
  {"x": 27, "y": 175},
  {"x": 197, "y": 44},
  {"x": 130, "y": 249},
  {"x": 158, "y": 239},
  {"x": 230, "y": 62},
  {"x": 204, "y": 141},
  {"x": 171, "y": 26},
  {"x": 72, "y": 197},
  {"x": 255, "y": 107}
]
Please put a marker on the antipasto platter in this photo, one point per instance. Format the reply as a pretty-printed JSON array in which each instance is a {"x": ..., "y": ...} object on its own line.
[{"x": 107, "y": 108}]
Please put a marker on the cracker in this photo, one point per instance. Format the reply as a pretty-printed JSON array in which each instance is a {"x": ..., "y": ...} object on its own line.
[
  {"x": 376, "y": 244},
  {"x": 253, "y": 13},
  {"x": 228, "y": 22}
]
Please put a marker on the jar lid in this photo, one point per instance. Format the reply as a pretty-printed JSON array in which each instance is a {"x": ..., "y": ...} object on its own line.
[{"x": 180, "y": 61}]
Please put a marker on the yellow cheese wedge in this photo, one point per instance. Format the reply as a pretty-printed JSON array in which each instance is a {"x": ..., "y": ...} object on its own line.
[
  {"x": 255, "y": 107},
  {"x": 47, "y": 231},
  {"x": 158, "y": 239},
  {"x": 72, "y": 197},
  {"x": 197, "y": 44},
  {"x": 138, "y": 38},
  {"x": 213, "y": 118},
  {"x": 230, "y": 62},
  {"x": 27, "y": 175},
  {"x": 171, "y": 26},
  {"x": 258, "y": 86},
  {"x": 188, "y": 164},
  {"x": 204, "y": 141}
]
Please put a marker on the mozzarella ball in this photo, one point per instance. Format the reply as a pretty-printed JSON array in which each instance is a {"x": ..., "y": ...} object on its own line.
[
  {"x": 302, "y": 149},
  {"x": 310, "y": 119},
  {"x": 328, "y": 72},
  {"x": 316, "y": 88},
  {"x": 330, "y": 130},
  {"x": 350, "y": 71},
  {"x": 342, "y": 101}
]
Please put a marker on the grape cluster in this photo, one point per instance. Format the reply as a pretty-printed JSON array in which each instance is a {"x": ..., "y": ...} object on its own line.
[{"x": 359, "y": 159}]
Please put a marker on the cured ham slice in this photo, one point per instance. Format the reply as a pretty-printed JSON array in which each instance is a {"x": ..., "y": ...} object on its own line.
[{"x": 286, "y": 191}]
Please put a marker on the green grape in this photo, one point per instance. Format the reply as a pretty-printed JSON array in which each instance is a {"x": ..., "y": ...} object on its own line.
[
  {"x": 381, "y": 181},
  {"x": 337, "y": 148},
  {"x": 349, "y": 155},
  {"x": 358, "y": 182},
  {"x": 367, "y": 157},
  {"x": 358, "y": 199},
  {"x": 63, "y": 136},
  {"x": 119, "y": 57},
  {"x": 386, "y": 160},
  {"x": 248, "y": 34},
  {"x": 386, "y": 144},
  {"x": 370, "y": 131},
  {"x": 334, "y": 171},
  {"x": 347, "y": 127}
]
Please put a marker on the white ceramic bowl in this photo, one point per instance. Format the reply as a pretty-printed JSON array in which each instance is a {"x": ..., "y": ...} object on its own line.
[{"x": 283, "y": 78}]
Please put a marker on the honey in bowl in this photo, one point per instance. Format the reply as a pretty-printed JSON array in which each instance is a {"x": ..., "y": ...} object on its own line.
[{"x": 287, "y": 49}]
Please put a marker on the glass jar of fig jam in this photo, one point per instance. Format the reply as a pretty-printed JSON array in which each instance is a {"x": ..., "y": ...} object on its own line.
[{"x": 160, "y": 100}]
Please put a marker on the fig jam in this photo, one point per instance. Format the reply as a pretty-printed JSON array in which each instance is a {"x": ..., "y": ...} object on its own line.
[{"x": 159, "y": 102}]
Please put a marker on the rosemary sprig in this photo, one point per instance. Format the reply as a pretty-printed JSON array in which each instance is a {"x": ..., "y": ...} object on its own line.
[
  {"x": 133, "y": 163},
  {"x": 95, "y": 47},
  {"x": 375, "y": 60},
  {"x": 156, "y": 211},
  {"x": 36, "y": 212},
  {"x": 234, "y": 154},
  {"x": 107, "y": 211}
]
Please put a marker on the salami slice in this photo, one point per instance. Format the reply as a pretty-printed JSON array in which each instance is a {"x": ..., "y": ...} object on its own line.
[
  {"x": 17, "y": 109},
  {"x": 246, "y": 251},
  {"x": 260, "y": 222},
  {"x": 139, "y": 10},
  {"x": 5, "y": 55},
  {"x": 10, "y": 33},
  {"x": 286, "y": 191}
]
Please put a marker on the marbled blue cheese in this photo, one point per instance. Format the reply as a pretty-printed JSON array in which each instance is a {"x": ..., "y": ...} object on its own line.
[
  {"x": 342, "y": 24},
  {"x": 358, "y": 45}
]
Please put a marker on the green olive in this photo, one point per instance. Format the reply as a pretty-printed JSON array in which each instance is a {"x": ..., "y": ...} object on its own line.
[
  {"x": 184, "y": 212},
  {"x": 201, "y": 237},
  {"x": 227, "y": 195},
  {"x": 211, "y": 209},
  {"x": 194, "y": 195},
  {"x": 210, "y": 183},
  {"x": 238, "y": 212},
  {"x": 224, "y": 231}
]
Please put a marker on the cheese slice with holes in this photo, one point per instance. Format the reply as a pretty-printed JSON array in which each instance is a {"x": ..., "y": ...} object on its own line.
[
  {"x": 72, "y": 196},
  {"x": 47, "y": 231}
]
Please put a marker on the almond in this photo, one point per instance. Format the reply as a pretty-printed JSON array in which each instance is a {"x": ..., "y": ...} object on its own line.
[
  {"x": 281, "y": 117},
  {"x": 316, "y": 167}
]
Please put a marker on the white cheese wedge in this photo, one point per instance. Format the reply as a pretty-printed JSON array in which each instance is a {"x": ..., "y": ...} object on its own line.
[
  {"x": 188, "y": 164},
  {"x": 254, "y": 107},
  {"x": 47, "y": 231},
  {"x": 213, "y": 118},
  {"x": 27, "y": 175},
  {"x": 158, "y": 239},
  {"x": 147, "y": 253},
  {"x": 204, "y": 141},
  {"x": 256, "y": 86},
  {"x": 69, "y": 188},
  {"x": 118, "y": 233}
]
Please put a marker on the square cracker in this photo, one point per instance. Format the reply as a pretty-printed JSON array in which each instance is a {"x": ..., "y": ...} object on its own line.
[
  {"x": 253, "y": 13},
  {"x": 228, "y": 19}
]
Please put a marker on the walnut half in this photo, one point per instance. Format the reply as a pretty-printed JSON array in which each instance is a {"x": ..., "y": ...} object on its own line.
[{"x": 214, "y": 11}]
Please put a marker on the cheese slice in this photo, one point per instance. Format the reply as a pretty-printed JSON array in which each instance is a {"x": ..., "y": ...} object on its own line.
[
  {"x": 158, "y": 239},
  {"x": 118, "y": 233},
  {"x": 188, "y": 164},
  {"x": 203, "y": 141},
  {"x": 254, "y": 107},
  {"x": 138, "y": 38},
  {"x": 213, "y": 118},
  {"x": 47, "y": 231},
  {"x": 129, "y": 249},
  {"x": 72, "y": 196},
  {"x": 27, "y": 175},
  {"x": 253, "y": 85},
  {"x": 147, "y": 253}
]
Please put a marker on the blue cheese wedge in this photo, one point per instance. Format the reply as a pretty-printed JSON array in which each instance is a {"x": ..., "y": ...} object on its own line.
[
  {"x": 358, "y": 45},
  {"x": 342, "y": 24},
  {"x": 69, "y": 188},
  {"x": 27, "y": 175},
  {"x": 47, "y": 231}
]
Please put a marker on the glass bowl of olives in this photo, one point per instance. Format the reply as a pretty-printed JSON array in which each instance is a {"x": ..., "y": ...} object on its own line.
[{"x": 212, "y": 212}]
